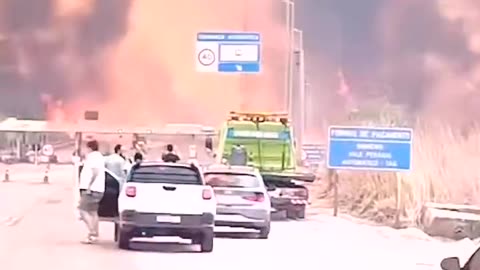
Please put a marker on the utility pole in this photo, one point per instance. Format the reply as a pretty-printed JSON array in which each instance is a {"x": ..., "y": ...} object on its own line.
[
  {"x": 290, "y": 24},
  {"x": 244, "y": 77},
  {"x": 300, "y": 107},
  {"x": 298, "y": 91}
]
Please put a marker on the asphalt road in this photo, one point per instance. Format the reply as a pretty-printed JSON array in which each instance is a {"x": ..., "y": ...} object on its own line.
[{"x": 38, "y": 230}]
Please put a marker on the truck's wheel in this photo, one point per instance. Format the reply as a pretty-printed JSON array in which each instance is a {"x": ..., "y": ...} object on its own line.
[
  {"x": 296, "y": 213},
  {"x": 123, "y": 239},
  {"x": 197, "y": 239},
  {"x": 291, "y": 214},
  {"x": 207, "y": 242},
  {"x": 264, "y": 232},
  {"x": 301, "y": 213}
]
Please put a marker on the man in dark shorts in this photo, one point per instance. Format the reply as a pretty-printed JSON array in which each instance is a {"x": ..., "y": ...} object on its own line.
[{"x": 92, "y": 187}]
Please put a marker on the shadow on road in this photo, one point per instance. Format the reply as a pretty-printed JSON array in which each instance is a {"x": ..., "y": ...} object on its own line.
[
  {"x": 236, "y": 235},
  {"x": 150, "y": 245}
]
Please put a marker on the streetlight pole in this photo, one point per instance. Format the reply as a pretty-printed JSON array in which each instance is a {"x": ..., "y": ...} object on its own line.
[
  {"x": 290, "y": 24},
  {"x": 298, "y": 90},
  {"x": 300, "y": 100},
  {"x": 243, "y": 77}
]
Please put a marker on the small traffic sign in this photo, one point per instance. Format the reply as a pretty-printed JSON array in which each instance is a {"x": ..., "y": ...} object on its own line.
[
  {"x": 228, "y": 52},
  {"x": 314, "y": 153},
  {"x": 206, "y": 57}
]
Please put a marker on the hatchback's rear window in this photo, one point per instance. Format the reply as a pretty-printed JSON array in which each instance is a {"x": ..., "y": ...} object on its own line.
[
  {"x": 233, "y": 180},
  {"x": 165, "y": 174}
]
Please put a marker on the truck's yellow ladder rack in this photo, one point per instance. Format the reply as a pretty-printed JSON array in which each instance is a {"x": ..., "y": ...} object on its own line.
[{"x": 281, "y": 117}]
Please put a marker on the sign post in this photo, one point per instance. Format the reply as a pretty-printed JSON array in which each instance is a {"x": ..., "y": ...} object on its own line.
[
  {"x": 226, "y": 52},
  {"x": 371, "y": 149}
]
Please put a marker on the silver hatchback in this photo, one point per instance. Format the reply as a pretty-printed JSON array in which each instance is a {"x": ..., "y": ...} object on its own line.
[{"x": 242, "y": 198}]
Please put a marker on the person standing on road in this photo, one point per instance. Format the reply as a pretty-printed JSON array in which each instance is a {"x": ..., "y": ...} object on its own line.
[
  {"x": 170, "y": 156},
  {"x": 137, "y": 159},
  {"x": 115, "y": 163},
  {"x": 92, "y": 187},
  {"x": 239, "y": 156}
]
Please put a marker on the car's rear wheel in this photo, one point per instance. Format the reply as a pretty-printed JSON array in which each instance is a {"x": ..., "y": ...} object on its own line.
[
  {"x": 206, "y": 244},
  {"x": 123, "y": 239},
  {"x": 197, "y": 239},
  {"x": 264, "y": 232}
]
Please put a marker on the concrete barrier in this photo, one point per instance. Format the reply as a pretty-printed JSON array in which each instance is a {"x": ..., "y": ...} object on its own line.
[{"x": 450, "y": 220}]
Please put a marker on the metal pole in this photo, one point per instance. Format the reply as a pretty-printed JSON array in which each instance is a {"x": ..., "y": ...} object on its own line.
[
  {"x": 243, "y": 77},
  {"x": 35, "y": 152},
  {"x": 290, "y": 53},
  {"x": 289, "y": 21},
  {"x": 302, "y": 105},
  {"x": 298, "y": 91}
]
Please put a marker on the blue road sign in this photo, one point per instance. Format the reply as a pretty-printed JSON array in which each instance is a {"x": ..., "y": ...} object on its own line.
[
  {"x": 314, "y": 154},
  {"x": 367, "y": 148},
  {"x": 228, "y": 52}
]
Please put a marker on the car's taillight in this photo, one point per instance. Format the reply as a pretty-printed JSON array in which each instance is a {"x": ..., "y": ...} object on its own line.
[
  {"x": 257, "y": 197},
  {"x": 131, "y": 192},
  {"x": 207, "y": 194}
]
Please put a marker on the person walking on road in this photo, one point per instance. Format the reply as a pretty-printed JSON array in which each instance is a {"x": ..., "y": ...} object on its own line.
[
  {"x": 92, "y": 187},
  {"x": 116, "y": 164},
  {"x": 170, "y": 156}
]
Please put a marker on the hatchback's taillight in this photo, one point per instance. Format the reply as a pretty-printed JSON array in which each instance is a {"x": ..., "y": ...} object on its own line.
[
  {"x": 257, "y": 197},
  {"x": 207, "y": 194},
  {"x": 131, "y": 192}
]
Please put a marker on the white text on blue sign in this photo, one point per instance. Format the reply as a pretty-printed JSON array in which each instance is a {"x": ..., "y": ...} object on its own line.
[{"x": 370, "y": 148}]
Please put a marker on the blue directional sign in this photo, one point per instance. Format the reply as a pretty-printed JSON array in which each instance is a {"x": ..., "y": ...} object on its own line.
[
  {"x": 367, "y": 148},
  {"x": 228, "y": 52}
]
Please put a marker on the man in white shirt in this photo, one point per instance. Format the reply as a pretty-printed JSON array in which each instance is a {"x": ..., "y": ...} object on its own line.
[
  {"x": 92, "y": 187},
  {"x": 116, "y": 163}
]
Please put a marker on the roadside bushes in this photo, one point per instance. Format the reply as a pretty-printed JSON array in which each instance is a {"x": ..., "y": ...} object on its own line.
[{"x": 446, "y": 169}]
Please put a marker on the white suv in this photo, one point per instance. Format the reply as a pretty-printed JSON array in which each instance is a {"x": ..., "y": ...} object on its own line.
[{"x": 161, "y": 199}]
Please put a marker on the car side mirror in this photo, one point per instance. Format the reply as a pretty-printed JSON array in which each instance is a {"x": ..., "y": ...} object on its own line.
[{"x": 451, "y": 263}]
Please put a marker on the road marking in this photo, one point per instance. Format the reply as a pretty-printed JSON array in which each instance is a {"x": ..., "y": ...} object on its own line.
[{"x": 10, "y": 221}]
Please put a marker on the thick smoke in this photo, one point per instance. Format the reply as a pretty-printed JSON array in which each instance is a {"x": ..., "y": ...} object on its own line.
[
  {"x": 134, "y": 60},
  {"x": 422, "y": 53}
]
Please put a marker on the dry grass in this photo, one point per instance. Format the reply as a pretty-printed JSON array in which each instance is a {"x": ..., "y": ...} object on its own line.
[{"x": 446, "y": 168}]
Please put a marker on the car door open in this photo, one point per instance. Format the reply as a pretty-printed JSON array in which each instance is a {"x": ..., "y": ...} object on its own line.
[{"x": 108, "y": 208}]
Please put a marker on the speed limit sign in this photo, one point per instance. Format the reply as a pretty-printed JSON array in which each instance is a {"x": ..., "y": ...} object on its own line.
[{"x": 206, "y": 57}]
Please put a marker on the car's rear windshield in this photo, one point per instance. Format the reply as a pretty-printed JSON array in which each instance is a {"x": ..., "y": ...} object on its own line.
[
  {"x": 165, "y": 174},
  {"x": 233, "y": 180}
]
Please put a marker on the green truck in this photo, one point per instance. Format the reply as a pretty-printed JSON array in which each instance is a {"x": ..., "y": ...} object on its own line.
[{"x": 267, "y": 143}]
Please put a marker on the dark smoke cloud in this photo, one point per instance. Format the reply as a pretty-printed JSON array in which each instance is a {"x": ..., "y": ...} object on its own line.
[
  {"x": 106, "y": 25},
  {"x": 381, "y": 42},
  {"x": 25, "y": 22}
]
